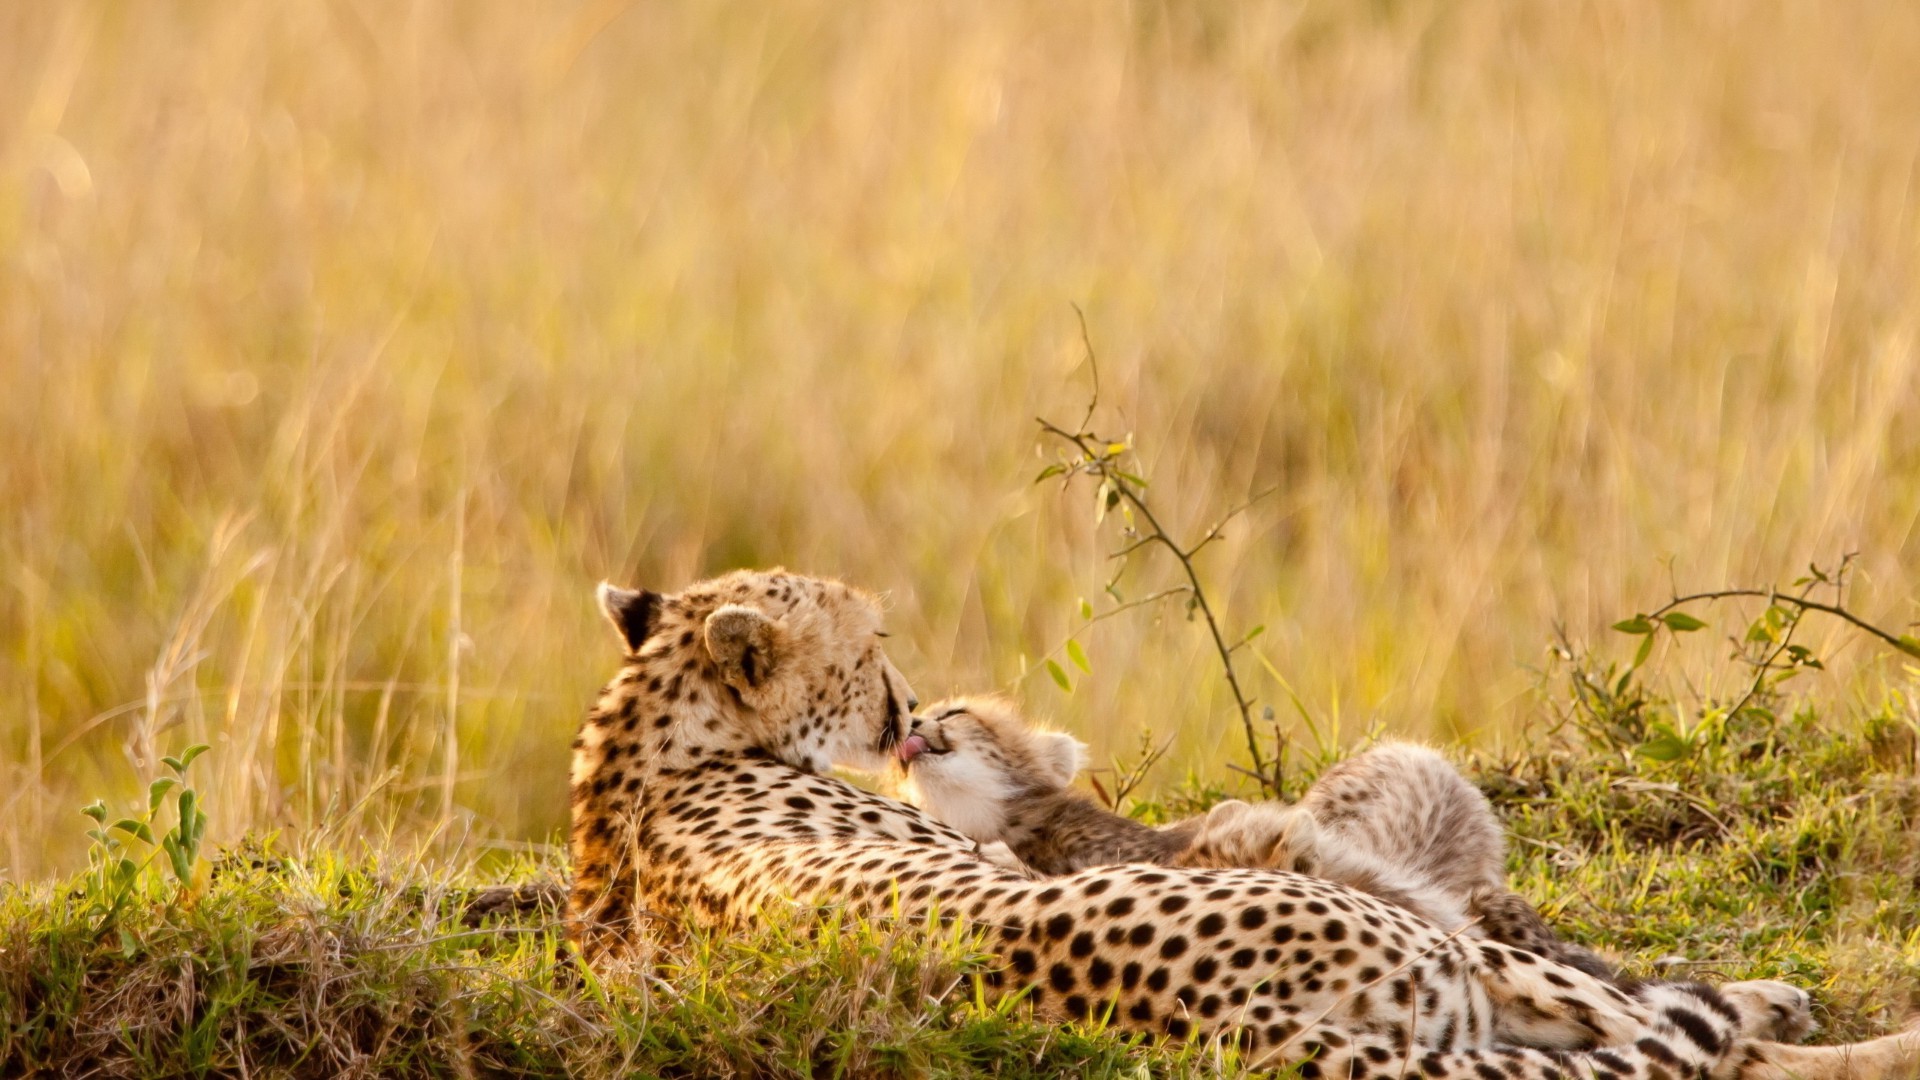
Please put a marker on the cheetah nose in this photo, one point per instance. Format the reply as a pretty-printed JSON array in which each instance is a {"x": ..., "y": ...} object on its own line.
[{"x": 911, "y": 747}]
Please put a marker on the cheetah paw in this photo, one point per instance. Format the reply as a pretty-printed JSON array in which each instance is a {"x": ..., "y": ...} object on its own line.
[
  {"x": 1770, "y": 1011},
  {"x": 999, "y": 854}
]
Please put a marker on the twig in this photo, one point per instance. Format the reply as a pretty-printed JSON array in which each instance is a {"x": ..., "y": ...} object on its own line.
[
  {"x": 1096, "y": 459},
  {"x": 1125, "y": 782},
  {"x": 1763, "y": 667},
  {"x": 1904, "y": 645},
  {"x": 1101, "y": 617}
]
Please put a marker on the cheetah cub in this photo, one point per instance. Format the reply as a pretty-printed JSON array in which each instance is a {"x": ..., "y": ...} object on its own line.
[
  {"x": 1397, "y": 821},
  {"x": 978, "y": 766}
]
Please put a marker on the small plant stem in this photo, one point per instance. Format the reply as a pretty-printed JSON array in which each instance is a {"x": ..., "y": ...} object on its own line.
[
  {"x": 1770, "y": 595},
  {"x": 1099, "y": 618},
  {"x": 450, "y": 763},
  {"x": 1766, "y": 665},
  {"x": 1098, "y": 463}
]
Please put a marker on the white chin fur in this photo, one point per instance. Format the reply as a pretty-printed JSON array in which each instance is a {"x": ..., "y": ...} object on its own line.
[
  {"x": 856, "y": 754},
  {"x": 966, "y": 794}
]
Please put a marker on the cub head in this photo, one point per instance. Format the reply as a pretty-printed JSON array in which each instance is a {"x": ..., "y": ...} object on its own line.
[
  {"x": 786, "y": 664},
  {"x": 966, "y": 761}
]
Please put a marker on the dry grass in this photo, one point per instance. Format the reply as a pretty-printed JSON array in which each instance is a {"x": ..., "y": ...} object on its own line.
[{"x": 348, "y": 344}]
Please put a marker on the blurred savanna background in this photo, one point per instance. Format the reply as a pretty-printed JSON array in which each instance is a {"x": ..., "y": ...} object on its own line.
[{"x": 347, "y": 345}]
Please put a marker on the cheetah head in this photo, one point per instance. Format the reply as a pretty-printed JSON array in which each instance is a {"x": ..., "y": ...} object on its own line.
[
  {"x": 779, "y": 662},
  {"x": 965, "y": 761}
]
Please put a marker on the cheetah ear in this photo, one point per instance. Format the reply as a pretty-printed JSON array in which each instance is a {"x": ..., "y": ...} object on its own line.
[
  {"x": 1060, "y": 755},
  {"x": 634, "y": 613},
  {"x": 742, "y": 641}
]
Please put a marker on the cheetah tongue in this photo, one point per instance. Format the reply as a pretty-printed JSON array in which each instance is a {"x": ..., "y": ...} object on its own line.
[{"x": 911, "y": 747}]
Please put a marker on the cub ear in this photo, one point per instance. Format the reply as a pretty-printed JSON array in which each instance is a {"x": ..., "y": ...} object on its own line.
[
  {"x": 744, "y": 644},
  {"x": 634, "y": 613},
  {"x": 1060, "y": 756}
]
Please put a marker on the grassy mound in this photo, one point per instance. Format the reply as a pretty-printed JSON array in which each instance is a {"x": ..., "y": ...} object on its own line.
[{"x": 1775, "y": 844}]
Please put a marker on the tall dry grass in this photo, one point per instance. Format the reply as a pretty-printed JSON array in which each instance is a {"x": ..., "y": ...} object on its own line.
[{"x": 348, "y": 344}]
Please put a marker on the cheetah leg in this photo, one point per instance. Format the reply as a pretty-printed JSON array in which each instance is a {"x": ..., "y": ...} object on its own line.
[
  {"x": 1891, "y": 1057},
  {"x": 1672, "y": 1043},
  {"x": 600, "y": 918},
  {"x": 1542, "y": 1004},
  {"x": 1329, "y": 1053},
  {"x": 1770, "y": 1011}
]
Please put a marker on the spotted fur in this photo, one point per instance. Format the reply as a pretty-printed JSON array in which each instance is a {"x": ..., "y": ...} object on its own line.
[
  {"x": 696, "y": 790},
  {"x": 1397, "y": 822}
]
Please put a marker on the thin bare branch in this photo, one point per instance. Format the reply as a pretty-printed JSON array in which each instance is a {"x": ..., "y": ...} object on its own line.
[
  {"x": 1838, "y": 611},
  {"x": 1098, "y": 458},
  {"x": 1098, "y": 618}
]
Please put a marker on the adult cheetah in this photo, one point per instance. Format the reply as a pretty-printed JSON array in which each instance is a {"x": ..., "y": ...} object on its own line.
[{"x": 696, "y": 788}]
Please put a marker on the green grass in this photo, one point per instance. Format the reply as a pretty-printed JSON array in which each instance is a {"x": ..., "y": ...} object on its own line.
[
  {"x": 324, "y": 963},
  {"x": 1777, "y": 847}
]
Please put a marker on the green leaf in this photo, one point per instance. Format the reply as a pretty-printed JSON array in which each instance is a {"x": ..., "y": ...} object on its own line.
[
  {"x": 182, "y": 862},
  {"x": 1059, "y": 675},
  {"x": 157, "y": 791},
  {"x": 1645, "y": 650},
  {"x": 1051, "y": 470},
  {"x": 1078, "y": 655},
  {"x": 1639, "y": 624},
  {"x": 1910, "y": 645},
  {"x": 1254, "y": 633},
  {"x": 174, "y": 763},
  {"x": 1136, "y": 481},
  {"x": 193, "y": 751},
  {"x": 1086, "y": 609},
  {"x": 135, "y": 828},
  {"x": 97, "y": 810},
  {"x": 1682, "y": 623},
  {"x": 1662, "y": 748}
]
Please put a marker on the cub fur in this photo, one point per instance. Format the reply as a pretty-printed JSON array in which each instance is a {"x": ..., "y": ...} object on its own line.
[{"x": 1397, "y": 822}]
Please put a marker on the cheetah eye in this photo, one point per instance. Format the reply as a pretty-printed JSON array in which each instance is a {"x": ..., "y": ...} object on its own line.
[{"x": 881, "y": 633}]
